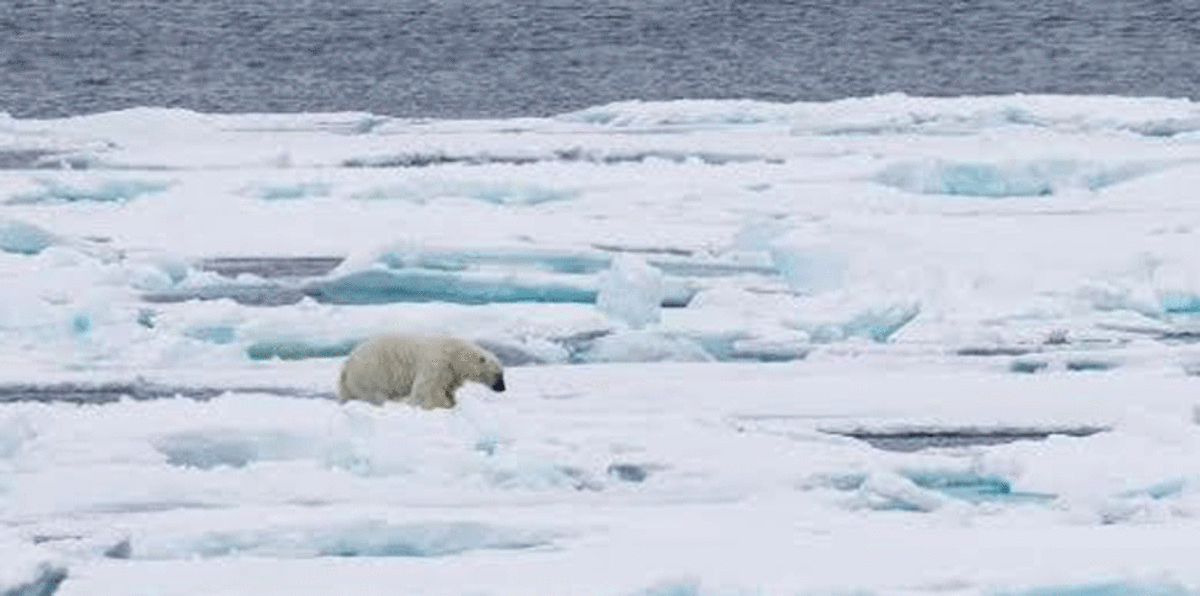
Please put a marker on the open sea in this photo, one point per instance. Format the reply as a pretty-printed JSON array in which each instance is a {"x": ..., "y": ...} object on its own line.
[{"x": 452, "y": 58}]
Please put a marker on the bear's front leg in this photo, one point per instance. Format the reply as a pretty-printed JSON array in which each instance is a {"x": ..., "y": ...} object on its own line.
[{"x": 428, "y": 392}]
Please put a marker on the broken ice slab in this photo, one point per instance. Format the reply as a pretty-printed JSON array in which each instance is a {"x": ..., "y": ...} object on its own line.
[
  {"x": 909, "y": 491},
  {"x": 28, "y": 570},
  {"x": 359, "y": 538},
  {"x": 555, "y": 261},
  {"x": 381, "y": 286},
  {"x": 1032, "y": 178},
  {"x": 89, "y": 190},
  {"x": 416, "y": 285}
]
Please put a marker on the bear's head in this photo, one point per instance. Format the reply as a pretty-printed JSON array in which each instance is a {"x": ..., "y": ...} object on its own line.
[{"x": 474, "y": 363}]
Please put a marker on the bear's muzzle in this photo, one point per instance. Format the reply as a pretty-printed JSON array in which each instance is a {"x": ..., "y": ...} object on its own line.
[{"x": 499, "y": 384}]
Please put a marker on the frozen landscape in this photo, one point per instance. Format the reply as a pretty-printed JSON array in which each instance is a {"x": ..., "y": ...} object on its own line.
[{"x": 890, "y": 345}]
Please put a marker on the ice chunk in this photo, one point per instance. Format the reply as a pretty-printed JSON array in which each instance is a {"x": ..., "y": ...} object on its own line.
[
  {"x": 228, "y": 447},
  {"x": 1176, "y": 302},
  {"x": 569, "y": 262},
  {"x": 26, "y": 570},
  {"x": 631, "y": 291},
  {"x": 810, "y": 269},
  {"x": 1006, "y": 179},
  {"x": 300, "y": 350},
  {"x": 558, "y": 261},
  {"x": 92, "y": 190},
  {"x": 23, "y": 238},
  {"x": 376, "y": 286},
  {"x": 644, "y": 346},
  {"x": 521, "y": 352},
  {"x": 15, "y": 432},
  {"x": 757, "y": 234},
  {"x": 402, "y": 275},
  {"x": 771, "y": 349},
  {"x": 831, "y": 320},
  {"x": 897, "y": 113},
  {"x": 927, "y": 489},
  {"x": 888, "y": 490},
  {"x": 367, "y": 538},
  {"x": 876, "y": 324}
]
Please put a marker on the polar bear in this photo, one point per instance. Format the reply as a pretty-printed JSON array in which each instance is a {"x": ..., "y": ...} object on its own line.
[{"x": 421, "y": 370}]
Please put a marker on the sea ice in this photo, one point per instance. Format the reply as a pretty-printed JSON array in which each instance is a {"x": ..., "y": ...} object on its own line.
[
  {"x": 495, "y": 193},
  {"x": 28, "y": 570},
  {"x": 367, "y": 538},
  {"x": 631, "y": 291},
  {"x": 804, "y": 351},
  {"x": 643, "y": 346},
  {"x": 287, "y": 191},
  {"x": 22, "y": 238},
  {"x": 1006, "y": 179},
  {"x": 88, "y": 190}
]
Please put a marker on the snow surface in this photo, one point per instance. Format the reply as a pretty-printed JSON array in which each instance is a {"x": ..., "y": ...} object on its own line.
[{"x": 888, "y": 345}]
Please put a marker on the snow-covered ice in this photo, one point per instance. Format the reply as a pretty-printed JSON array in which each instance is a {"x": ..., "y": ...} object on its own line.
[
  {"x": 631, "y": 291},
  {"x": 888, "y": 345}
]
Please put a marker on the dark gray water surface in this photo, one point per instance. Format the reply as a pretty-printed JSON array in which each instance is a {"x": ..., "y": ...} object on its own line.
[{"x": 473, "y": 58}]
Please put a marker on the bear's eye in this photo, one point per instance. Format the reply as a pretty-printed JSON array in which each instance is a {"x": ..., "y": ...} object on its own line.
[{"x": 481, "y": 359}]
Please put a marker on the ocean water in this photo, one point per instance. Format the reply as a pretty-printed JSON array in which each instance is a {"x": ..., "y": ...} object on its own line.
[{"x": 457, "y": 58}]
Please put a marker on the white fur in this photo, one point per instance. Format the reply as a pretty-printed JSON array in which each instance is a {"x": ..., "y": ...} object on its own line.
[{"x": 423, "y": 371}]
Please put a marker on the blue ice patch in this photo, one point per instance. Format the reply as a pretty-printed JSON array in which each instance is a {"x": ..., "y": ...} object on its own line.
[
  {"x": 738, "y": 346},
  {"x": 1005, "y": 179},
  {"x": 208, "y": 450},
  {"x": 553, "y": 261},
  {"x": 878, "y": 324},
  {"x": 81, "y": 324},
  {"x": 25, "y": 239},
  {"x": 966, "y": 486},
  {"x": 367, "y": 538},
  {"x": 430, "y": 539},
  {"x": 416, "y": 285},
  {"x": 300, "y": 350},
  {"x": 972, "y": 487},
  {"x": 293, "y": 191},
  {"x": 562, "y": 261},
  {"x": 1180, "y": 303},
  {"x": 881, "y": 324},
  {"x": 1161, "y": 490},
  {"x": 1104, "y": 589}
]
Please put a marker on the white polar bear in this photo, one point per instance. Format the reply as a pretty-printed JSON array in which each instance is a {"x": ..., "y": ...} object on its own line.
[{"x": 423, "y": 371}]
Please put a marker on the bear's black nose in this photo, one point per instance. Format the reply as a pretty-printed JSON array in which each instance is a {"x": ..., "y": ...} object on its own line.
[{"x": 499, "y": 384}]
